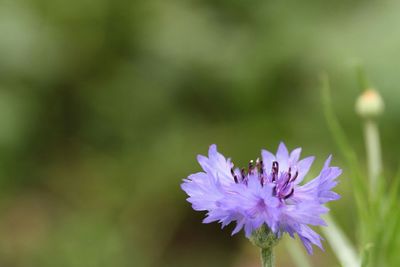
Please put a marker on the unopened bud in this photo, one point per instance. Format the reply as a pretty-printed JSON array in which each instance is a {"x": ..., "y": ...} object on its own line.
[{"x": 369, "y": 104}]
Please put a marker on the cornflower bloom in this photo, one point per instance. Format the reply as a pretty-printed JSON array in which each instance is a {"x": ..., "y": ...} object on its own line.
[{"x": 266, "y": 195}]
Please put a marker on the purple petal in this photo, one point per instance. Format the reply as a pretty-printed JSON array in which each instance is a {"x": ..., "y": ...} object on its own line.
[
  {"x": 216, "y": 165},
  {"x": 294, "y": 156},
  {"x": 308, "y": 237},
  {"x": 267, "y": 158},
  {"x": 303, "y": 166},
  {"x": 282, "y": 156},
  {"x": 320, "y": 187}
]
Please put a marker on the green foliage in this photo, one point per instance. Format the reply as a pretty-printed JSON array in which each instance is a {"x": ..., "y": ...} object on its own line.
[{"x": 378, "y": 218}]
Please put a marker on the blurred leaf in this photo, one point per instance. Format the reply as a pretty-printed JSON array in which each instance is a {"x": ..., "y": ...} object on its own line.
[
  {"x": 359, "y": 187},
  {"x": 365, "y": 255},
  {"x": 340, "y": 244},
  {"x": 298, "y": 254}
]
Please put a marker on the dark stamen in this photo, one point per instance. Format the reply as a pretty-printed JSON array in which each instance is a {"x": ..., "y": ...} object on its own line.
[
  {"x": 261, "y": 167},
  {"x": 294, "y": 177},
  {"x": 243, "y": 173},
  {"x": 275, "y": 166},
  {"x": 275, "y": 170},
  {"x": 251, "y": 166},
  {"x": 290, "y": 194},
  {"x": 289, "y": 174},
  {"x": 234, "y": 176}
]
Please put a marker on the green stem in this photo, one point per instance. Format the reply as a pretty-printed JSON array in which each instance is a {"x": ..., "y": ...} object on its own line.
[
  {"x": 373, "y": 153},
  {"x": 267, "y": 257}
]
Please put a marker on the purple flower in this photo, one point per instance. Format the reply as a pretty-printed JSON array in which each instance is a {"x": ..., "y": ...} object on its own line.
[{"x": 268, "y": 192}]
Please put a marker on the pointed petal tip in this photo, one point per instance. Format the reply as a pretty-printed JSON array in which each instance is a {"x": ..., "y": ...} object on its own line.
[
  {"x": 282, "y": 155},
  {"x": 281, "y": 143},
  {"x": 282, "y": 147},
  {"x": 266, "y": 153},
  {"x": 212, "y": 149},
  {"x": 295, "y": 155},
  {"x": 183, "y": 186},
  {"x": 328, "y": 161},
  {"x": 308, "y": 247},
  {"x": 201, "y": 158}
]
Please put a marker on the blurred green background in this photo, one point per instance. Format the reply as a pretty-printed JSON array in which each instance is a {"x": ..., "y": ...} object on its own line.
[{"x": 104, "y": 105}]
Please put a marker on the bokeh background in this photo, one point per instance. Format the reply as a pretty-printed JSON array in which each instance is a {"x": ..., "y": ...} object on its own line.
[{"x": 104, "y": 105}]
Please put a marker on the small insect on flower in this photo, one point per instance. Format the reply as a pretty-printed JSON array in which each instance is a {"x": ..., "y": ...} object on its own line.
[{"x": 267, "y": 194}]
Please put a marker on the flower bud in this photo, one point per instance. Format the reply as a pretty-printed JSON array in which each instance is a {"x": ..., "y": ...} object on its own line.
[
  {"x": 369, "y": 104},
  {"x": 263, "y": 237}
]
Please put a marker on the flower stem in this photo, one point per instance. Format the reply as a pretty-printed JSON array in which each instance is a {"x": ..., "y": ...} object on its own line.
[
  {"x": 267, "y": 257},
  {"x": 373, "y": 153}
]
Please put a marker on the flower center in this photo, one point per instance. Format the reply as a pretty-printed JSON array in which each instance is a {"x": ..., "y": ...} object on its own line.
[{"x": 282, "y": 181}]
